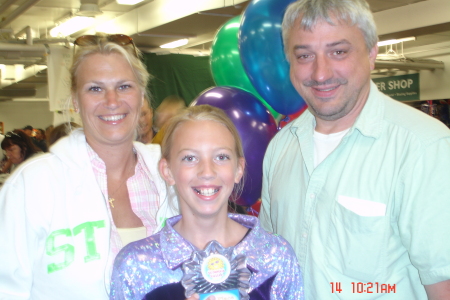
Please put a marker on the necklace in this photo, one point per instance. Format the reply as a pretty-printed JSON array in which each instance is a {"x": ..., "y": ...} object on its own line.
[{"x": 111, "y": 198}]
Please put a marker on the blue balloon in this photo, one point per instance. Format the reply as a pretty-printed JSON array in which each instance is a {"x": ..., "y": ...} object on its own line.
[
  {"x": 255, "y": 125},
  {"x": 262, "y": 55}
]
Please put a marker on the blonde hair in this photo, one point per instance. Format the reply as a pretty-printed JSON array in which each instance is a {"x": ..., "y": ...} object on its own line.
[
  {"x": 204, "y": 113},
  {"x": 106, "y": 47}
]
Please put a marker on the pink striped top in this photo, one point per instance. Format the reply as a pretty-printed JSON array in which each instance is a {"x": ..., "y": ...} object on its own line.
[{"x": 142, "y": 191}]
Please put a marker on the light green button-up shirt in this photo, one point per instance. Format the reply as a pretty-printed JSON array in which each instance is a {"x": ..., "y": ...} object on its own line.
[{"x": 373, "y": 219}]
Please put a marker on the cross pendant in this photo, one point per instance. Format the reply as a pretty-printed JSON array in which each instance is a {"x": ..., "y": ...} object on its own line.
[{"x": 111, "y": 200}]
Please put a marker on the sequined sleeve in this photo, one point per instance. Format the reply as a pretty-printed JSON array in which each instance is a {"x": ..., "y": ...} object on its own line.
[
  {"x": 143, "y": 266},
  {"x": 288, "y": 284},
  {"x": 136, "y": 269},
  {"x": 122, "y": 284}
]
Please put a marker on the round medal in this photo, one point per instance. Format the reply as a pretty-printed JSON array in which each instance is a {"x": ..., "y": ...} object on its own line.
[{"x": 216, "y": 268}]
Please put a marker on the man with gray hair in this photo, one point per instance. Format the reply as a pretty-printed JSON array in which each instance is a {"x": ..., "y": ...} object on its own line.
[{"x": 358, "y": 184}]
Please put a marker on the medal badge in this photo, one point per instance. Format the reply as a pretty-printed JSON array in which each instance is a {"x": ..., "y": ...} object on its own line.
[{"x": 215, "y": 272}]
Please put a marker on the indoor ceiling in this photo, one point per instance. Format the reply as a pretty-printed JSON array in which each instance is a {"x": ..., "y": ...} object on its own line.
[{"x": 25, "y": 26}]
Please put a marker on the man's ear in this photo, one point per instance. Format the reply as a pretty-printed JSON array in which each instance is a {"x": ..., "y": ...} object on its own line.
[
  {"x": 373, "y": 56},
  {"x": 165, "y": 172}
]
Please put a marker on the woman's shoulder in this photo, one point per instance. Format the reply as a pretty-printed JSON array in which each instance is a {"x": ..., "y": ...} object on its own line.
[
  {"x": 150, "y": 153},
  {"x": 37, "y": 165},
  {"x": 154, "y": 149}
]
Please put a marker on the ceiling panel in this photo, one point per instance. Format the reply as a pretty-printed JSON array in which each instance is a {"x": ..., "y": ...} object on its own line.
[
  {"x": 380, "y": 5},
  {"x": 200, "y": 27}
]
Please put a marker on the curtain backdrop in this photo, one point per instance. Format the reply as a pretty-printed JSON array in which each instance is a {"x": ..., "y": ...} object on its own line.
[{"x": 177, "y": 74}]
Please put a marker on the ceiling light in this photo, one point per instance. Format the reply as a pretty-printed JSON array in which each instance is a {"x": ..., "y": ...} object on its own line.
[
  {"x": 175, "y": 44},
  {"x": 396, "y": 41},
  {"x": 199, "y": 53},
  {"x": 71, "y": 25},
  {"x": 168, "y": 35},
  {"x": 89, "y": 10},
  {"x": 128, "y": 2}
]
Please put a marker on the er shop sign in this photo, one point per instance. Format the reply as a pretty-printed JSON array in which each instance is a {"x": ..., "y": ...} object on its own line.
[{"x": 402, "y": 87}]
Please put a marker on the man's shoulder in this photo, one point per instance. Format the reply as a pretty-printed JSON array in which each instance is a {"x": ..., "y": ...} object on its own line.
[
  {"x": 289, "y": 131},
  {"x": 414, "y": 122}
]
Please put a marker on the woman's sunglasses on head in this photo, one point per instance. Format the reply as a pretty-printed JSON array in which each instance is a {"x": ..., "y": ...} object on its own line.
[
  {"x": 120, "y": 39},
  {"x": 11, "y": 134}
]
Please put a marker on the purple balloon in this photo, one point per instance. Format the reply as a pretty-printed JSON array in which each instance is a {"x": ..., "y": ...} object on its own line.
[{"x": 255, "y": 125}]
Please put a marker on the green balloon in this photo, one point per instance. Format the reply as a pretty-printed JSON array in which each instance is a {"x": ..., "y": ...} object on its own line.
[{"x": 225, "y": 60}]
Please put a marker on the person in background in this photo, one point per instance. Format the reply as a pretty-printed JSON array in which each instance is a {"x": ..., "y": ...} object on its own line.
[
  {"x": 2, "y": 155},
  {"x": 28, "y": 130},
  {"x": 18, "y": 147},
  {"x": 3, "y": 158},
  {"x": 48, "y": 129},
  {"x": 61, "y": 131},
  {"x": 358, "y": 184},
  {"x": 146, "y": 133},
  {"x": 202, "y": 157},
  {"x": 169, "y": 107},
  {"x": 32, "y": 133},
  {"x": 100, "y": 191},
  {"x": 40, "y": 139}
]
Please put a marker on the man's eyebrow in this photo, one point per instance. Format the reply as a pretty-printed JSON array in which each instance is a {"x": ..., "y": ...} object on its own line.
[
  {"x": 333, "y": 44},
  {"x": 301, "y": 47},
  {"x": 343, "y": 41}
]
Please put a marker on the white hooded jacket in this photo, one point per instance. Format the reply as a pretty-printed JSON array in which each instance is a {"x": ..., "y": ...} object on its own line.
[{"x": 55, "y": 225}]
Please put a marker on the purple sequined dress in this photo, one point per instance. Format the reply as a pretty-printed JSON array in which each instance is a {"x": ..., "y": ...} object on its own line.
[{"x": 151, "y": 268}]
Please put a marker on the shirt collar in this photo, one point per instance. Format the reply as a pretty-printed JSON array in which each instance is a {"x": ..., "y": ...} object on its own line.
[
  {"x": 100, "y": 166},
  {"x": 369, "y": 121},
  {"x": 176, "y": 250}
]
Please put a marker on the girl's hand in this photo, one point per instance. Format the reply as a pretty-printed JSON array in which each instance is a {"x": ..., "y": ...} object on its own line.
[{"x": 194, "y": 297}]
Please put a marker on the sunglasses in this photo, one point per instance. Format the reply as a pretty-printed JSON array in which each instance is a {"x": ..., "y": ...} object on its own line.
[
  {"x": 91, "y": 40},
  {"x": 11, "y": 134}
]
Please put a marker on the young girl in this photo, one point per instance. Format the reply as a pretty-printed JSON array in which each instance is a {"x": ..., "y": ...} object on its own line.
[{"x": 202, "y": 156}]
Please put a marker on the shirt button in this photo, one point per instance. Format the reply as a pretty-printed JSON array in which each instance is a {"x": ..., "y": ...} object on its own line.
[
  {"x": 304, "y": 235},
  {"x": 312, "y": 196}
]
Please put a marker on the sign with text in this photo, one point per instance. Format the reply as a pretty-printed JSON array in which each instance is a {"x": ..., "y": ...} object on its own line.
[{"x": 402, "y": 87}]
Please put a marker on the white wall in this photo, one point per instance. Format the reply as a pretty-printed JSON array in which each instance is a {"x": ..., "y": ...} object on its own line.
[
  {"x": 18, "y": 114},
  {"x": 434, "y": 85}
]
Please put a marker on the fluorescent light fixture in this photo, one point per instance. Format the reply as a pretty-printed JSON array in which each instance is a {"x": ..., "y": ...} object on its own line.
[
  {"x": 128, "y": 2},
  {"x": 392, "y": 42},
  {"x": 175, "y": 44},
  {"x": 166, "y": 35},
  {"x": 72, "y": 25}
]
